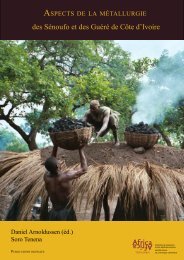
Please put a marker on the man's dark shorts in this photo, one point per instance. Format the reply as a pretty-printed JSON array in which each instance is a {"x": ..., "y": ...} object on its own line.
[{"x": 62, "y": 214}]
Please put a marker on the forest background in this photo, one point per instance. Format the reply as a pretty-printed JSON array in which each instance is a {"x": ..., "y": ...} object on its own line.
[{"x": 41, "y": 81}]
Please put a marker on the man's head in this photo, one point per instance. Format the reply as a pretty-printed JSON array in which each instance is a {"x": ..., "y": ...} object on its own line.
[
  {"x": 94, "y": 106},
  {"x": 51, "y": 164}
]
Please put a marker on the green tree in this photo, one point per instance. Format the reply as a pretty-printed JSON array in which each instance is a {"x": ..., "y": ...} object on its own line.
[
  {"x": 29, "y": 92},
  {"x": 174, "y": 124},
  {"x": 144, "y": 64},
  {"x": 10, "y": 142},
  {"x": 40, "y": 80}
]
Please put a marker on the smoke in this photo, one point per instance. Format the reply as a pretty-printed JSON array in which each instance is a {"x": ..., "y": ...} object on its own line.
[{"x": 160, "y": 90}]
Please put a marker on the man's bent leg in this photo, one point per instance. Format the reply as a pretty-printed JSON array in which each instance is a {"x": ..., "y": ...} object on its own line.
[
  {"x": 115, "y": 134},
  {"x": 113, "y": 125}
]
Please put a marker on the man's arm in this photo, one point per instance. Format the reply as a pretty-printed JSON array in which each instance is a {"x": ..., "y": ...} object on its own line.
[
  {"x": 83, "y": 160},
  {"x": 74, "y": 174},
  {"x": 105, "y": 123},
  {"x": 85, "y": 118}
]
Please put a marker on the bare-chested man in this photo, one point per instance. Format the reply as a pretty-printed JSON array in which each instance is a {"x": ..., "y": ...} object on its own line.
[
  {"x": 58, "y": 186},
  {"x": 103, "y": 119}
]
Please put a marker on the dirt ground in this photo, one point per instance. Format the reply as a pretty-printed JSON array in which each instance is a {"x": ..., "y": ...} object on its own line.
[{"x": 106, "y": 153}]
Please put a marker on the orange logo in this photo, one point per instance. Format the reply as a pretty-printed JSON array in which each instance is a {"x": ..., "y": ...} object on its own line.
[{"x": 142, "y": 244}]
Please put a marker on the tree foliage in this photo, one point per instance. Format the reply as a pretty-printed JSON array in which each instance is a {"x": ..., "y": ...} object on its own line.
[
  {"x": 40, "y": 80},
  {"x": 10, "y": 142}
]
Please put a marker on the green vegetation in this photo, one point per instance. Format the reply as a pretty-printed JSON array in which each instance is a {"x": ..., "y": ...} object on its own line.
[
  {"x": 43, "y": 80},
  {"x": 10, "y": 142}
]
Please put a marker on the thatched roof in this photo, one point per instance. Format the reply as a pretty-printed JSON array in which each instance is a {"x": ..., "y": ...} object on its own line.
[
  {"x": 22, "y": 177},
  {"x": 9, "y": 160},
  {"x": 143, "y": 186}
]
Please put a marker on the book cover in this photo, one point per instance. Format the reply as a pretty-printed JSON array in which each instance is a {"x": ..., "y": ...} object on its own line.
[{"x": 91, "y": 129}]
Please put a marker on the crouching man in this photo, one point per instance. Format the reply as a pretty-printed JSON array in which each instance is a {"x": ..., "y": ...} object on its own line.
[
  {"x": 58, "y": 186},
  {"x": 103, "y": 119}
]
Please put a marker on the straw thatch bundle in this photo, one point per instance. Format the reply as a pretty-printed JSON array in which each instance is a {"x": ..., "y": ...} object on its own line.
[
  {"x": 23, "y": 180},
  {"x": 5, "y": 154},
  {"x": 143, "y": 190},
  {"x": 9, "y": 160},
  {"x": 170, "y": 188}
]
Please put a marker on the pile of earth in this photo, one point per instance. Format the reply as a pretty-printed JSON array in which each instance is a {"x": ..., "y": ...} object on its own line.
[{"x": 107, "y": 153}]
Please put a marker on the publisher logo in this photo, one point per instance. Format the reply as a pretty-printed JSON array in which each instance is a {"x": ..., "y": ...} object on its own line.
[{"x": 142, "y": 244}]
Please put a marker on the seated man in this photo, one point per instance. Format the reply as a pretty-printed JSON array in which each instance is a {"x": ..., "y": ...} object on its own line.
[
  {"x": 58, "y": 186},
  {"x": 103, "y": 119}
]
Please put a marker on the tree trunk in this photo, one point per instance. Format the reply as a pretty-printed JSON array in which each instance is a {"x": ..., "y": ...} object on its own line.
[
  {"x": 164, "y": 136},
  {"x": 32, "y": 140},
  {"x": 29, "y": 139},
  {"x": 32, "y": 144}
]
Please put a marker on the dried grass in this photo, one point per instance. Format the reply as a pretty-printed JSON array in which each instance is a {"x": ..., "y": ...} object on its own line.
[
  {"x": 25, "y": 179},
  {"x": 138, "y": 187},
  {"x": 9, "y": 160},
  {"x": 145, "y": 187},
  {"x": 170, "y": 187}
]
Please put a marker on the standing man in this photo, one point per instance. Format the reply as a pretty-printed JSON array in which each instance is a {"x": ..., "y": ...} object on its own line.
[
  {"x": 103, "y": 119},
  {"x": 58, "y": 186}
]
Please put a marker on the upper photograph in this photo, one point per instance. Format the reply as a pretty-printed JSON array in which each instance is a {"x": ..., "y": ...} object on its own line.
[{"x": 92, "y": 130}]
